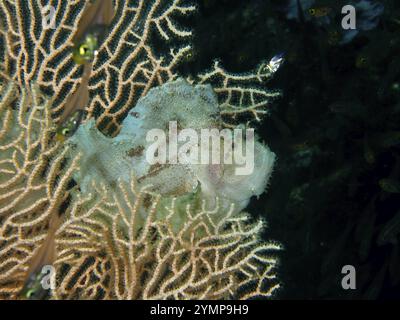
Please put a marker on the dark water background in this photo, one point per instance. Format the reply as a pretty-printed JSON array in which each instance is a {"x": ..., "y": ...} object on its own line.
[{"x": 334, "y": 198}]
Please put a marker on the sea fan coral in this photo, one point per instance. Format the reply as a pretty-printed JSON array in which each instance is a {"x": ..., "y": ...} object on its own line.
[
  {"x": 123, "y": 239},
  {"x": 127, "y": 65},
  {"x": 115, "y": 243},
  {"x": 212, "y": 255},
  {"x": 34, "y": 177}
]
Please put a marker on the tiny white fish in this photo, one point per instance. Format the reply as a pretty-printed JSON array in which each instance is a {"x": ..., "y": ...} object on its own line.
[{"x": 275, "y": 63}]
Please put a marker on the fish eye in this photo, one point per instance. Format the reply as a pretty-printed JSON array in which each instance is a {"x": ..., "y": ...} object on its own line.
[
  {"x": 311, "y": 11},
  {"x": 83, "y": 49},
  {"x": 65, "y": 131},
  {"x": 30, "y": 293}
]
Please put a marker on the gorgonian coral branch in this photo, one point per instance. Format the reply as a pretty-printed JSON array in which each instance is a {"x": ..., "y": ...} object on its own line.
[
  {"x": 240, "y": 94},
  {"x": 34, "y": 179},
  {"x": 120, "y": 241},
  {"x": 126, "y": 66},
  {"x": 208, "y": 254}
]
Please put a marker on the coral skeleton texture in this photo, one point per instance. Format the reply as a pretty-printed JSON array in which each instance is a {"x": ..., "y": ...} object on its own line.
[
  {"x": 125, "y": 68},
  {"x": 240, "y": 94},
  {"x": 127, "y": 65},
  {"x": 125, "y": 242},
  {"x": 102, "y": 251},
  {"x": 209, "y": 257},
  {"x": 34, "y": 178}
]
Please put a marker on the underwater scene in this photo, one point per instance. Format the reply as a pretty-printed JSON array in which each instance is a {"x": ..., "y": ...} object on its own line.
[{"x": 199, "y": 150}]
